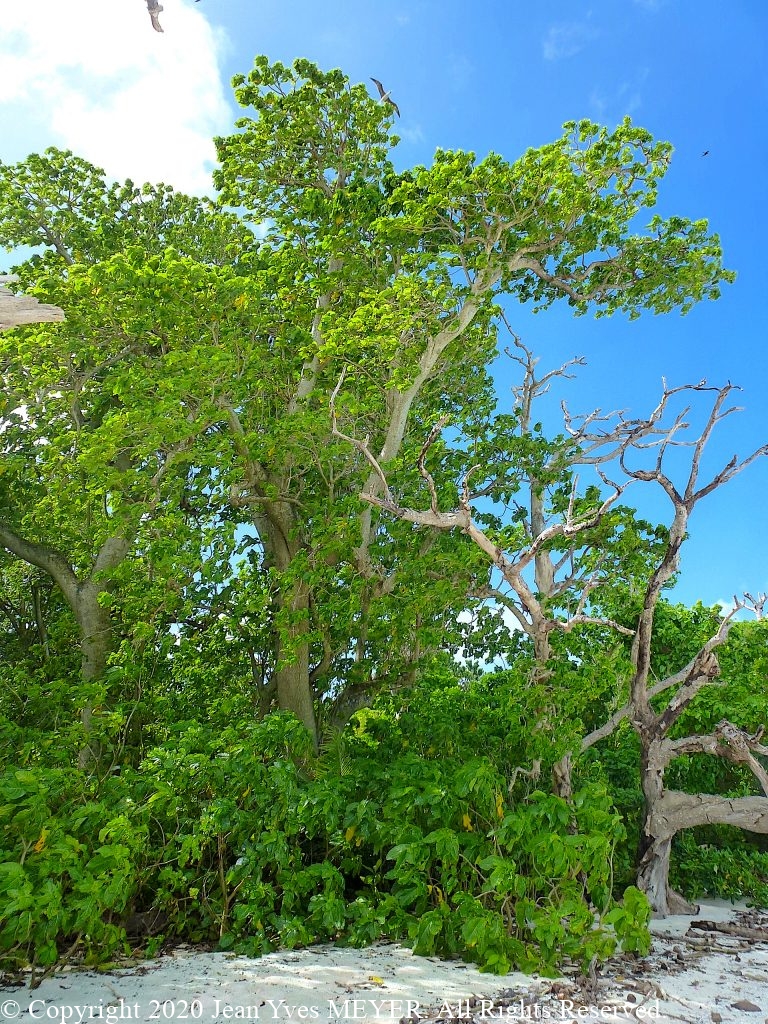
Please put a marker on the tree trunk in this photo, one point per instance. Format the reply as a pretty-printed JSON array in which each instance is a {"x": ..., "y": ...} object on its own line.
[
  {"x": 668, "y": 812},
  {"x": 277, "y": 529},
  {"x": 653, "y": 877},
  {"x": 94, "y": 622},
  {"x": 96, "y": 645},
  {"x": 292, "y": 674},
  {"x": 655, "y": 842},
  {"x": 294, "y": 689}
]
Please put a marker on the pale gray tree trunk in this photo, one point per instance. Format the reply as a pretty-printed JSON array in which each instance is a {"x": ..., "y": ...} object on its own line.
[
  {"x": 292, "y": 676},
  {"x": 96, "y": 641}
]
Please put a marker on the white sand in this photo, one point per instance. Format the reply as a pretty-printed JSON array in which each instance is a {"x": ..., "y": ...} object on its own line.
[{"x": 678, "y": 981}]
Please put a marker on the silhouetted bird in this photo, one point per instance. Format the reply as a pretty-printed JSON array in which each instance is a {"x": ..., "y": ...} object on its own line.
[
  {"x": 705, "y": 153},
  {"x": 385, "y": 96}
]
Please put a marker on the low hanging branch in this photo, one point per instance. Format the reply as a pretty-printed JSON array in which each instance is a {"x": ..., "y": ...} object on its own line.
[{"x": 18, "y": 310}]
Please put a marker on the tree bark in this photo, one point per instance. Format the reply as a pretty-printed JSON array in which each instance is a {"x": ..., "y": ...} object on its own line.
[
  {"x": 294, "y": 689},
  {"x": 95, "y": 624},
  {"x": 16, "y": 310},
  {"x": 276, "y": 527},
  {"x": 292, "y": 675},
  {"x": 673, "y": 811}
]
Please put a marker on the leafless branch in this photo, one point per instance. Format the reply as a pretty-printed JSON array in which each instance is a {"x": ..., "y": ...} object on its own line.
[
  {"x": 17, "y": 310},
  {"x": 579, "y": 619},
  {"x": 756, "y": 604},
  {"x": 728, "y": 742}
]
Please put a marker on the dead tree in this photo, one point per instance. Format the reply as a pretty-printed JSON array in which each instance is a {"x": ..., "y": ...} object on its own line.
[
  {"x": 535, "y": 579},
  {"x": 666, "y": 811},
  {"x": 532, "y": 605},
  {"x": 544, "y": 586},
  {"x": 18, "y": 310}
]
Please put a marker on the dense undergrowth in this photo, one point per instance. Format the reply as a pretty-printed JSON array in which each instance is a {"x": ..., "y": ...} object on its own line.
[
  {"x": 411, "y": 824},
  {"x": 429, "y": 819}
]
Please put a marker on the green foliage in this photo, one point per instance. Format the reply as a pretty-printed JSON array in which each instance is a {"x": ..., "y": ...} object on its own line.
[
  {"x": 170, "y": 473},
  {"x": 720, "y": 862},
  {"x": 240, "y": 834},
  {"x": 70, "y": 866}
]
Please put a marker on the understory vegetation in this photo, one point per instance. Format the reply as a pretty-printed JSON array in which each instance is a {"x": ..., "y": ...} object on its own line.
[
  {"x": 307, "y": 632},
  {"x": 410, "y": 824},
  {"x": 429, "y": 818}
]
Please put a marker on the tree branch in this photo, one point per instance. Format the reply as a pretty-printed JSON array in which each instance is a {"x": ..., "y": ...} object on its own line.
[
  {"x": 728, "y": 742},
  {"x": 18, "y": 310},
  {"x": 46, "y": 558}
]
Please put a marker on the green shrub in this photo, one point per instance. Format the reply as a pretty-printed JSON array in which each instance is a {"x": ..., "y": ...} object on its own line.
[{"x": 410, "y": 825}]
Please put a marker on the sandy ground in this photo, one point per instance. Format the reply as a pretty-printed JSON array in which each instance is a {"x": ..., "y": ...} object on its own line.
[{"x": 690, "y": 976}]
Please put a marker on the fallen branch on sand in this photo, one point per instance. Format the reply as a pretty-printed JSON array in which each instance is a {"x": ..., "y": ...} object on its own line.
[{"x": 741, "y": 931}]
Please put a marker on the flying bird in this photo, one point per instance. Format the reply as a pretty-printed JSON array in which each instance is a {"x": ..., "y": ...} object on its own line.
[
  {"x": 154, "y": 9},
  {"x": 385, "y": 96},
  {"x": 705, "y": 153}
]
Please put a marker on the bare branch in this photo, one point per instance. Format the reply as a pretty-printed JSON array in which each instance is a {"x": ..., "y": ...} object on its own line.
[
  {"x": 694, "y": 676},
  {"x": 728, "y": 742},
  {"x": 571, "y": 527},
  {"x": 754, "y": 604},
  {"x": 18, "y": 310},
  {"x": 533, "y": 387},
  {"x": 698, "y": 673},
  {"x": 674, "y": 811},
  {"x": 579, "y": 619}
]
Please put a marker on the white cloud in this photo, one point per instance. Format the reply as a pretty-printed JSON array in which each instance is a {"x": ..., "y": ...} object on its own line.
[
  {"x": 413, "y": 134},
  {"x": 565, "y": 39},
  {"x": 98, "y": 80}
]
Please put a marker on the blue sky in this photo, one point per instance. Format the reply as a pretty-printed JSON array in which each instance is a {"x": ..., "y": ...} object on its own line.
[{"x": 488, "y": 76}]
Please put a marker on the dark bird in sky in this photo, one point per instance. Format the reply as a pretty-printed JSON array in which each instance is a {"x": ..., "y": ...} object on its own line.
[
  {"x": 385, "y": 96},
  {"x": 705, "y": 153},
  {"x": 154, "y": 9}
]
